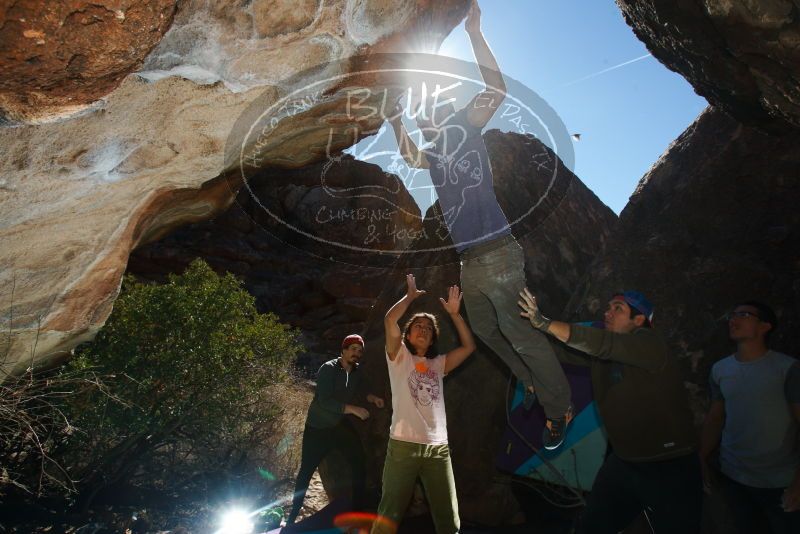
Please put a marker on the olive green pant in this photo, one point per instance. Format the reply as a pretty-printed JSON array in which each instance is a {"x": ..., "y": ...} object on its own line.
[
  {"x": 491, "y": 282},
  {"x": 404, "y": 463}
]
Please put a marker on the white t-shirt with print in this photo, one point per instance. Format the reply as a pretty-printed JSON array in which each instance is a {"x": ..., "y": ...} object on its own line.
[{"x": 417, "y": 398}]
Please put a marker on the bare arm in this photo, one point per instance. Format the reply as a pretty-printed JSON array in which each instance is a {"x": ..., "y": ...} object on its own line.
[
  {"x": 791, "y": 496},
  {"x": 712, "y": 429},
  {"x": 457, "y": 356},
  {"x": 710, "y": 436},
  {"x": 485, "y": 103},
  {"x": 394, "y": 314},
  {"x": 412, "y": 155}
]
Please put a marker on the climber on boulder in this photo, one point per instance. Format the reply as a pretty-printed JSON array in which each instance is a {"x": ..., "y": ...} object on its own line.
[{"x": 492, "y": 262}]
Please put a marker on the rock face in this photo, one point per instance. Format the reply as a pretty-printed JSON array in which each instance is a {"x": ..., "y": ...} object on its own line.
[
  {"x": 289, "y": 273},
  {"x": 557, "y": 234},
  {"x": 713, "y": 223},
  {"x": 78, "y": 193},
  {"x": 56, "y": 57},
  {"x": 742, "y": 55},
  {"x": 329, "y": 299}
]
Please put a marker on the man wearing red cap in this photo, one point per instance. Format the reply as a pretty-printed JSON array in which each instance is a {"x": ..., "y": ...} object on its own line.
[
  {"x": 339, "y": 385},
  {"x": 641, "y": 399}
]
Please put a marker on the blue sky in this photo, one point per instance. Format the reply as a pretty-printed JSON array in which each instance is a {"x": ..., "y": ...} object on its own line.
[{"x": 627, "y": 116}]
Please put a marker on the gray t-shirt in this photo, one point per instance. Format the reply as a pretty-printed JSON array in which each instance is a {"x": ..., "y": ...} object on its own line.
[
  {"x": 759, "y": 446},
  {"x": 460, "y": 171}
]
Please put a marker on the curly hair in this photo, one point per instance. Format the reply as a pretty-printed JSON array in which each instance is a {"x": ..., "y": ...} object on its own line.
[{"x": 433, "y": 350}]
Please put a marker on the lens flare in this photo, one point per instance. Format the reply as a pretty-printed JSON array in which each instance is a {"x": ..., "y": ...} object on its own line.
[
  {"x": 266, "y": 474},
  {"x": 236, "y": 522},
  {"x": 362, "y": 522}
]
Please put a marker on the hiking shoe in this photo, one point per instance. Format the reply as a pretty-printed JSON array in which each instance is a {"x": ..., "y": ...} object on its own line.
[{"x": 555, "y": 430}]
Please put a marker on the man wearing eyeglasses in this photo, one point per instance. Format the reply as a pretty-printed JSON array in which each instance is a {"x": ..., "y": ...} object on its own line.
[{"x": 754, "y": 421}]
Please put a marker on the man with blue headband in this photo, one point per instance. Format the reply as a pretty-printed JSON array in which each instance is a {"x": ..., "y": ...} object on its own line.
[{"x": 638, "y": 388}]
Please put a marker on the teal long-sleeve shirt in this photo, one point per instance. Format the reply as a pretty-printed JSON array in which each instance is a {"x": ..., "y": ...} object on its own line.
[{"x": 335, "y": 388}]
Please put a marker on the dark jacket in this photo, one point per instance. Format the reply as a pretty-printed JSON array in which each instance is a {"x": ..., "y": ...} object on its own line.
[
  {"x": 638, "y": 389},
  {"x": 335, "y": 388}
]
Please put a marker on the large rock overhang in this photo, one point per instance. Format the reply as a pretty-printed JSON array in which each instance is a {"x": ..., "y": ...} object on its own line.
[
  {"x": 742, "y": 56},
  {"x": 82, "y": 186}
]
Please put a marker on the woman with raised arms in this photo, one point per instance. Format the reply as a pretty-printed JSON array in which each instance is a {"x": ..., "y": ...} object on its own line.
[{"x": 418, "y": 434}]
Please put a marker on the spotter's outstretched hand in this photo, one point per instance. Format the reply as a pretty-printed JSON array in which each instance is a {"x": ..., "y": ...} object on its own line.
[
  {"x": 453, "y": 302},
  {"x": 411, "y": 291},
  {"x": 531, "y": 311}
]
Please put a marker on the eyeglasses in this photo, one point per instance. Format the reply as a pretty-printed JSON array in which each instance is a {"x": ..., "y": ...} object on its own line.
[{"x": 741, "y": 314}]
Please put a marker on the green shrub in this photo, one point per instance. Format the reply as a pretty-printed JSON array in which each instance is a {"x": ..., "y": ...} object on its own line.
[{"x": 190, "y": 360}]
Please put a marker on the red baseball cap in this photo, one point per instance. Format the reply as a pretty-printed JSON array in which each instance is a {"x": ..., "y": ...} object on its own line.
[{"x": 352, "y": 338}]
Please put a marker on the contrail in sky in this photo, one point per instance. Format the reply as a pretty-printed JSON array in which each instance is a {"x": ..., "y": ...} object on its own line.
[{"x": 634, "y": 60}]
